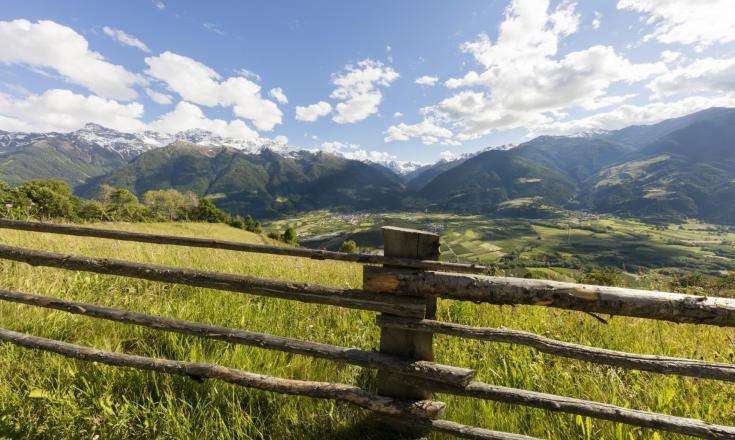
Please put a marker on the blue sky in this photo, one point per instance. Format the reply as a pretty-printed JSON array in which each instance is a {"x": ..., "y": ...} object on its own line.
[{"x": 342, "y": 76}]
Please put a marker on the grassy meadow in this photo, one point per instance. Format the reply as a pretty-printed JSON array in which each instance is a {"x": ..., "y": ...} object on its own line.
[{"x": 46, "y": 396}]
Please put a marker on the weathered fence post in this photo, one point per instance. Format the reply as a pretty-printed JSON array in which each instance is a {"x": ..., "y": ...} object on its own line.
[{"x": 420, "y": 245}]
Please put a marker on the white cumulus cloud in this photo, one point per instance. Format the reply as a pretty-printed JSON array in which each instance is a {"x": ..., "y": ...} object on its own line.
[
  {"x": 358, "y": 90},
  {"x": 697, "y": 22},
  {"x": 703, "y": 75},
  {"x": 312, "y": 112},
  {"x": 669, "y": 56},
  {"x": 187, "y": 115},
  {"x": 426, "y": 80},
  {"x": 354, "y": 152},
  {"x": 158, "y": 97},
  {"x": 597, "y": 21},
  {"x": 125, "y": 39},
  {"x": 523, "y": 79},
  {"x": 49, "y": 45},
  {"x": 627, "y": 115},
  {"x": 426, "y": 130},
  {"x": 448, "y": 155},
  {"x": 277, "y": 94},
  {"x": 62, "y": 110},
  {"x": 200, "y": 84},
  {"x": 335, "y": 146}
]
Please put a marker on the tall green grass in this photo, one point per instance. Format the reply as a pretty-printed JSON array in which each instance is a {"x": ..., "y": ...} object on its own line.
[{"x": 44, "y": 395}]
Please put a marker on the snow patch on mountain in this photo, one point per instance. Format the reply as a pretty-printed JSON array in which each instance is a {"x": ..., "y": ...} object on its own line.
[{"x": 130, "y": 145}]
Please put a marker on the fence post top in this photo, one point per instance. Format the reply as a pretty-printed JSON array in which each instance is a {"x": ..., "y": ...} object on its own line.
[
  {"x": 410, "y": 243},
  {"x": 397, "y": 229}
]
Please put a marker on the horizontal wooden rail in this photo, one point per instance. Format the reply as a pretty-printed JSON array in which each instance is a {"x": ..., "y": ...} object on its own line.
[
  {"x": 354, "y": 356},
  {"x": 552, "y": 402},
  {"x": 304, "y": 292},
  {"x": 236, "y": 246},
  {"x": 644, "y": 362},
  {"x": 456, "y": 429},
  {"x": 322, "y": 390},
  {"x": 674, "y": 307}
]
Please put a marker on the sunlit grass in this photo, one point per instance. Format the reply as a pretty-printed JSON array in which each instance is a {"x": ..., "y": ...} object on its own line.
[{"x": 44, "y": 395}]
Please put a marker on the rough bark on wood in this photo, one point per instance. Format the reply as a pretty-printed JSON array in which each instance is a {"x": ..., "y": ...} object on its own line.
[
  {"x": 552, "y": 402},
  {"x": 644, "y": 362},
  {"x": 408, "y": 243},
  {"x": 236, "y": 246},
  {"x": 674, "y": 307},
  {"x": 321, "y": 390},
  {"x": 354, "y": 356},
  {"x": 304, "y": 292}
]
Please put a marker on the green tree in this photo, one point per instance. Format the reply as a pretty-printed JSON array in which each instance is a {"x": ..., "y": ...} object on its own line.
[
  {"x": 121, "y": 196},
  {"x": 206, "y": 211},
  {"x": 169, "y": 203},
  {"x": 104, "y": 192},
  {"x": 237, "y": 222},
  {"x": 49, "y": 199},
  {"x": 290, "y": 236},
  {"x": 92, "y": 210},
  {"x": 349, "y": 246},
  {"x": 257, "y": 228}
]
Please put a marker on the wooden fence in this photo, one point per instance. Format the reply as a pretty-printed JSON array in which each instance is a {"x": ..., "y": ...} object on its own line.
[{"x": 404, "y": 291}]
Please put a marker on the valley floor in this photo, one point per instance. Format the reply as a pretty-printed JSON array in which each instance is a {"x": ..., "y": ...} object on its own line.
[
  {"x": 46, "y": 396},
  {"x": 558, "y": 248}
]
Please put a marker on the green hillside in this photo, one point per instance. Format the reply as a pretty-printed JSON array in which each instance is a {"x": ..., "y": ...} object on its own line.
[
  {"x": 688, "y": 173},
  {"x": 57, "y": 159},
  {"x": 484, "y": 182},
  {"x": 264, "y": 184}
]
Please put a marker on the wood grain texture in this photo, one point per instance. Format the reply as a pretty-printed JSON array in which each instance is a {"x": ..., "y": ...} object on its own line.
[
  {"x": 304, "y": 292},
  {"x": 644, "y": 362},
  {"x": 411, "y": 244},
  {"x": 674, "y": 307},
  {"x": 315, "y": 254},
  {"x": 354, "y": 356},
  {"x": 552, "y": 402},
  {"x": 322, "y": 390}
]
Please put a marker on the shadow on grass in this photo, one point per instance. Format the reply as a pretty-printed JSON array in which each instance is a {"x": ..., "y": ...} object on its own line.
[{"x": 369, "y": 427}]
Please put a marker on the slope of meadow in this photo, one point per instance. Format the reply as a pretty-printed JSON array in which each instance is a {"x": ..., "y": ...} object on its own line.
[{"x": 43, "y": 395}]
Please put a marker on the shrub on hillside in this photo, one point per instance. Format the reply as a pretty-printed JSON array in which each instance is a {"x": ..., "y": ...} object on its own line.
[
  {"x": 53, "y": 200},
  {"x": 605, "y": 276},
  {"x": 206, "y": 211},
  {"x": 49, "y": 199},
  {"x": 349, "y": 246},
  {"x": 171, "y": 204}
]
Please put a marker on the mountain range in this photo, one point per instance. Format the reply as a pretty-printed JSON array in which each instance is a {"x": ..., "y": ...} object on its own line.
[{"x": 676, "y": 169}]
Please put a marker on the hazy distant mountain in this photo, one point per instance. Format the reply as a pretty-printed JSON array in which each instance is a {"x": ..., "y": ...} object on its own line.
[
  {"x": 689, "y": 172},
  {"x": 678, "y": 168},
  {"x": 684, "y": 167},
  {"x": 482, "y": 183},
  {"x": 265, "y": 183}
]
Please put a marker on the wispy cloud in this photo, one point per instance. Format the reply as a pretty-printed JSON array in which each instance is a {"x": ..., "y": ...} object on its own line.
[
  {"x": 214, "y": 28},
  {"x": 125, "y": 39}
]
